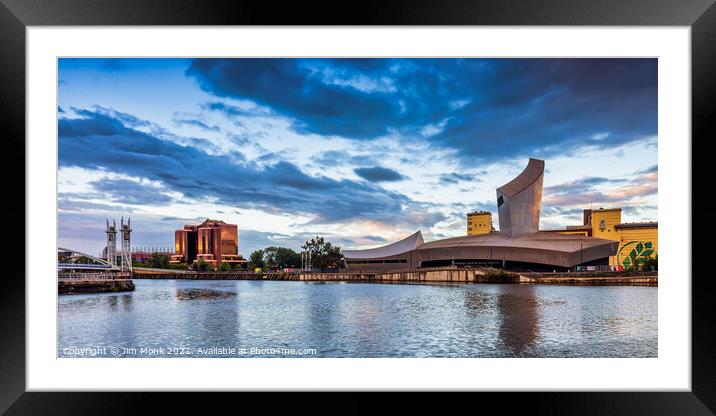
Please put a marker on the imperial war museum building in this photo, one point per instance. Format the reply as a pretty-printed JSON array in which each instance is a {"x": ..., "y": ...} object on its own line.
[{"x": 519, "y": 245}]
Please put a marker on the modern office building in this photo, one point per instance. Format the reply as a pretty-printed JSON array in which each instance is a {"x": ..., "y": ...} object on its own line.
[
  {"x": 519, "y": 245},
  {"x": 212, "y": 241}
]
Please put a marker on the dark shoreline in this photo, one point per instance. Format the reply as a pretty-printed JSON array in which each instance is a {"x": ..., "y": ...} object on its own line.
[{"x": 69, "y": 286}]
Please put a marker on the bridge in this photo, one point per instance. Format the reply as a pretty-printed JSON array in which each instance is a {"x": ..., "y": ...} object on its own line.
[
  {"x": 83, "y": 273},
  {"x": 77, "y": 260}
]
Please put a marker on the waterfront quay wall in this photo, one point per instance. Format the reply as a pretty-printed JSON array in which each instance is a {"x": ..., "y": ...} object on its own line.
[
  {"x": 94, "y": 282},
  {"x": 427, "y": 275}
]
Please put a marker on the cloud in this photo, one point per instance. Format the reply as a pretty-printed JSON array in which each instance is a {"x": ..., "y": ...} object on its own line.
[
  {"x": 98, "y": 141},
  {"x": 453, "y": 178},
  {"x": 335, "y": 157},
  {"x": 379, "y": 174},
  {"x": 484, "y": 109},
  {"x": 375, "y": 238},
  {"x": 613, "y": 192},
  {"x": 195, "y": 123},
  {"x": 131, "y": 192},
  {"x": 232, "y": 110},
  {"x": 580, "y": 185}
]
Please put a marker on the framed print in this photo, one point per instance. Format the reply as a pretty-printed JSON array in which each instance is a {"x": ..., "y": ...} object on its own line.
[{"x": 458, "y": 198}]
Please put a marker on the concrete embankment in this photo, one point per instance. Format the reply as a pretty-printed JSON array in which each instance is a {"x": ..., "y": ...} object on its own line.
[
  {"x": 94, "y": 286},
  {"x": 592, "y": 279},
  {"x": 434, "y": 275}
]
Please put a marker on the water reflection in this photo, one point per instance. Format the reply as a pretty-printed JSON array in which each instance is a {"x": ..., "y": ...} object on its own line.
[
  {"x": 203, "y": 294},
  {"x": 477, "y": 302},
  {"x": 520, "y": 318},
  {"x": 112, "y": 302},
  {"x": 126, "y": 302},
  {"x": 369, "y": 320}
]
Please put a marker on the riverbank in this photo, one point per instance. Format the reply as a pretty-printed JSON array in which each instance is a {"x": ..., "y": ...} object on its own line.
[{"x": 428, "y": 275}]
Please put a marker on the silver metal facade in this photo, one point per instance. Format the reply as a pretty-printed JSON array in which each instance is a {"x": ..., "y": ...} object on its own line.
[{"x": 519, "y": 202}]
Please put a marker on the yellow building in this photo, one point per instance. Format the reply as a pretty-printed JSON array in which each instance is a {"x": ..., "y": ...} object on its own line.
[
  {"x": 637, "y": 241},
  {"x": 479, "y": 223}
]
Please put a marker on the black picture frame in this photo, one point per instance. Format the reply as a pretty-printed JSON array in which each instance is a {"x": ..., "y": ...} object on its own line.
[{"x": 15, "y": 15}]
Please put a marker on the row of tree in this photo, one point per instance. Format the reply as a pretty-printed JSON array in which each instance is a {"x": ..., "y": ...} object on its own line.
[{"x": 323, "y": 255}]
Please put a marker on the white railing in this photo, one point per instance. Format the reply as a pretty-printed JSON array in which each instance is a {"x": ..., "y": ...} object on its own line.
[{"x": 94, "y": 276}]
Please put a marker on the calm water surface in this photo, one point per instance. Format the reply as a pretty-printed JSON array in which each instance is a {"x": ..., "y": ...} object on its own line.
[{"x": 174, "y": 318}]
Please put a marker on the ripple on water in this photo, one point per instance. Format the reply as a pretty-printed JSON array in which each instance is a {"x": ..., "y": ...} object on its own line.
[{"x": 369, "y": 320}]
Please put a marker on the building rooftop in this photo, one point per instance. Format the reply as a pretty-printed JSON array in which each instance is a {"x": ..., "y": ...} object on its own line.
[
  {"x": 542, "y": 241},
  {"x": 578, "y": 227},
  {"x": 532, "y": 172},
  {"x": 650, "y": 224},
  {"x": 399, "y": 247},
  {"x": 569, "y": 228}
]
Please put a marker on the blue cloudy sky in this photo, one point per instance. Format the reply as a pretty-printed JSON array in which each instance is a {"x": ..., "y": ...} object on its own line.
[{"x": 362, "y": 151}]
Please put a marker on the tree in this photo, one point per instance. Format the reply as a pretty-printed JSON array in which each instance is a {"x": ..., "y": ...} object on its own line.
[
  {"x": 224, "y": 267},
  {"x": 324, "y": 255},
  {"x": 256, "y": 260},
  {"x": 281, "y": 257},
  {"x": 203, "y": 266},
  {"x": 158, "y": 261}
]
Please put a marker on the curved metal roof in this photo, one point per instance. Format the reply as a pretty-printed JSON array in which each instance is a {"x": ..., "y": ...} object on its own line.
[
  {"x": 544, "y": 241},
  {"x": 399, "y": 247},
  {"x": 534, "y": 169},
  {"x": 544, "y": 248}
]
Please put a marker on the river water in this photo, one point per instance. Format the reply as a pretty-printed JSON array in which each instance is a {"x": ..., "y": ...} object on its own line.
[{"x": 180, "y": 318}]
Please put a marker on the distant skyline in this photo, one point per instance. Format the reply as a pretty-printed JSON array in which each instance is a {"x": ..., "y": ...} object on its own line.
[{"x": 361, "y": 151}]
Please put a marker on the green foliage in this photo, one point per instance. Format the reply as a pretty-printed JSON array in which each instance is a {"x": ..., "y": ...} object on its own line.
[
  {"x": 158, "y": 261},
  {"x": 323, "y": 254},
  {"x": 652, "y": 263},
  {"x": 256, "y": 260},
  {"x": 640, "y": 257},
  {"x": 179, "y": 266},
  {"x": 280, "y": 257},
  {"x": 203, "y": 266},
  {"x": 224, "y": 267},
  {"x": 84, "y": 260}
]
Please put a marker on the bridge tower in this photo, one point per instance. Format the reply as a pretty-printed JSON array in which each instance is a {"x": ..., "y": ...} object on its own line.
[
  {"x": 111, "y": 242},
  {"x": 126, "y": 230}
]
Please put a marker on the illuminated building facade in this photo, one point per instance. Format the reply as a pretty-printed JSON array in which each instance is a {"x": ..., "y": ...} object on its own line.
[{"x": 212, "y": 241}]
